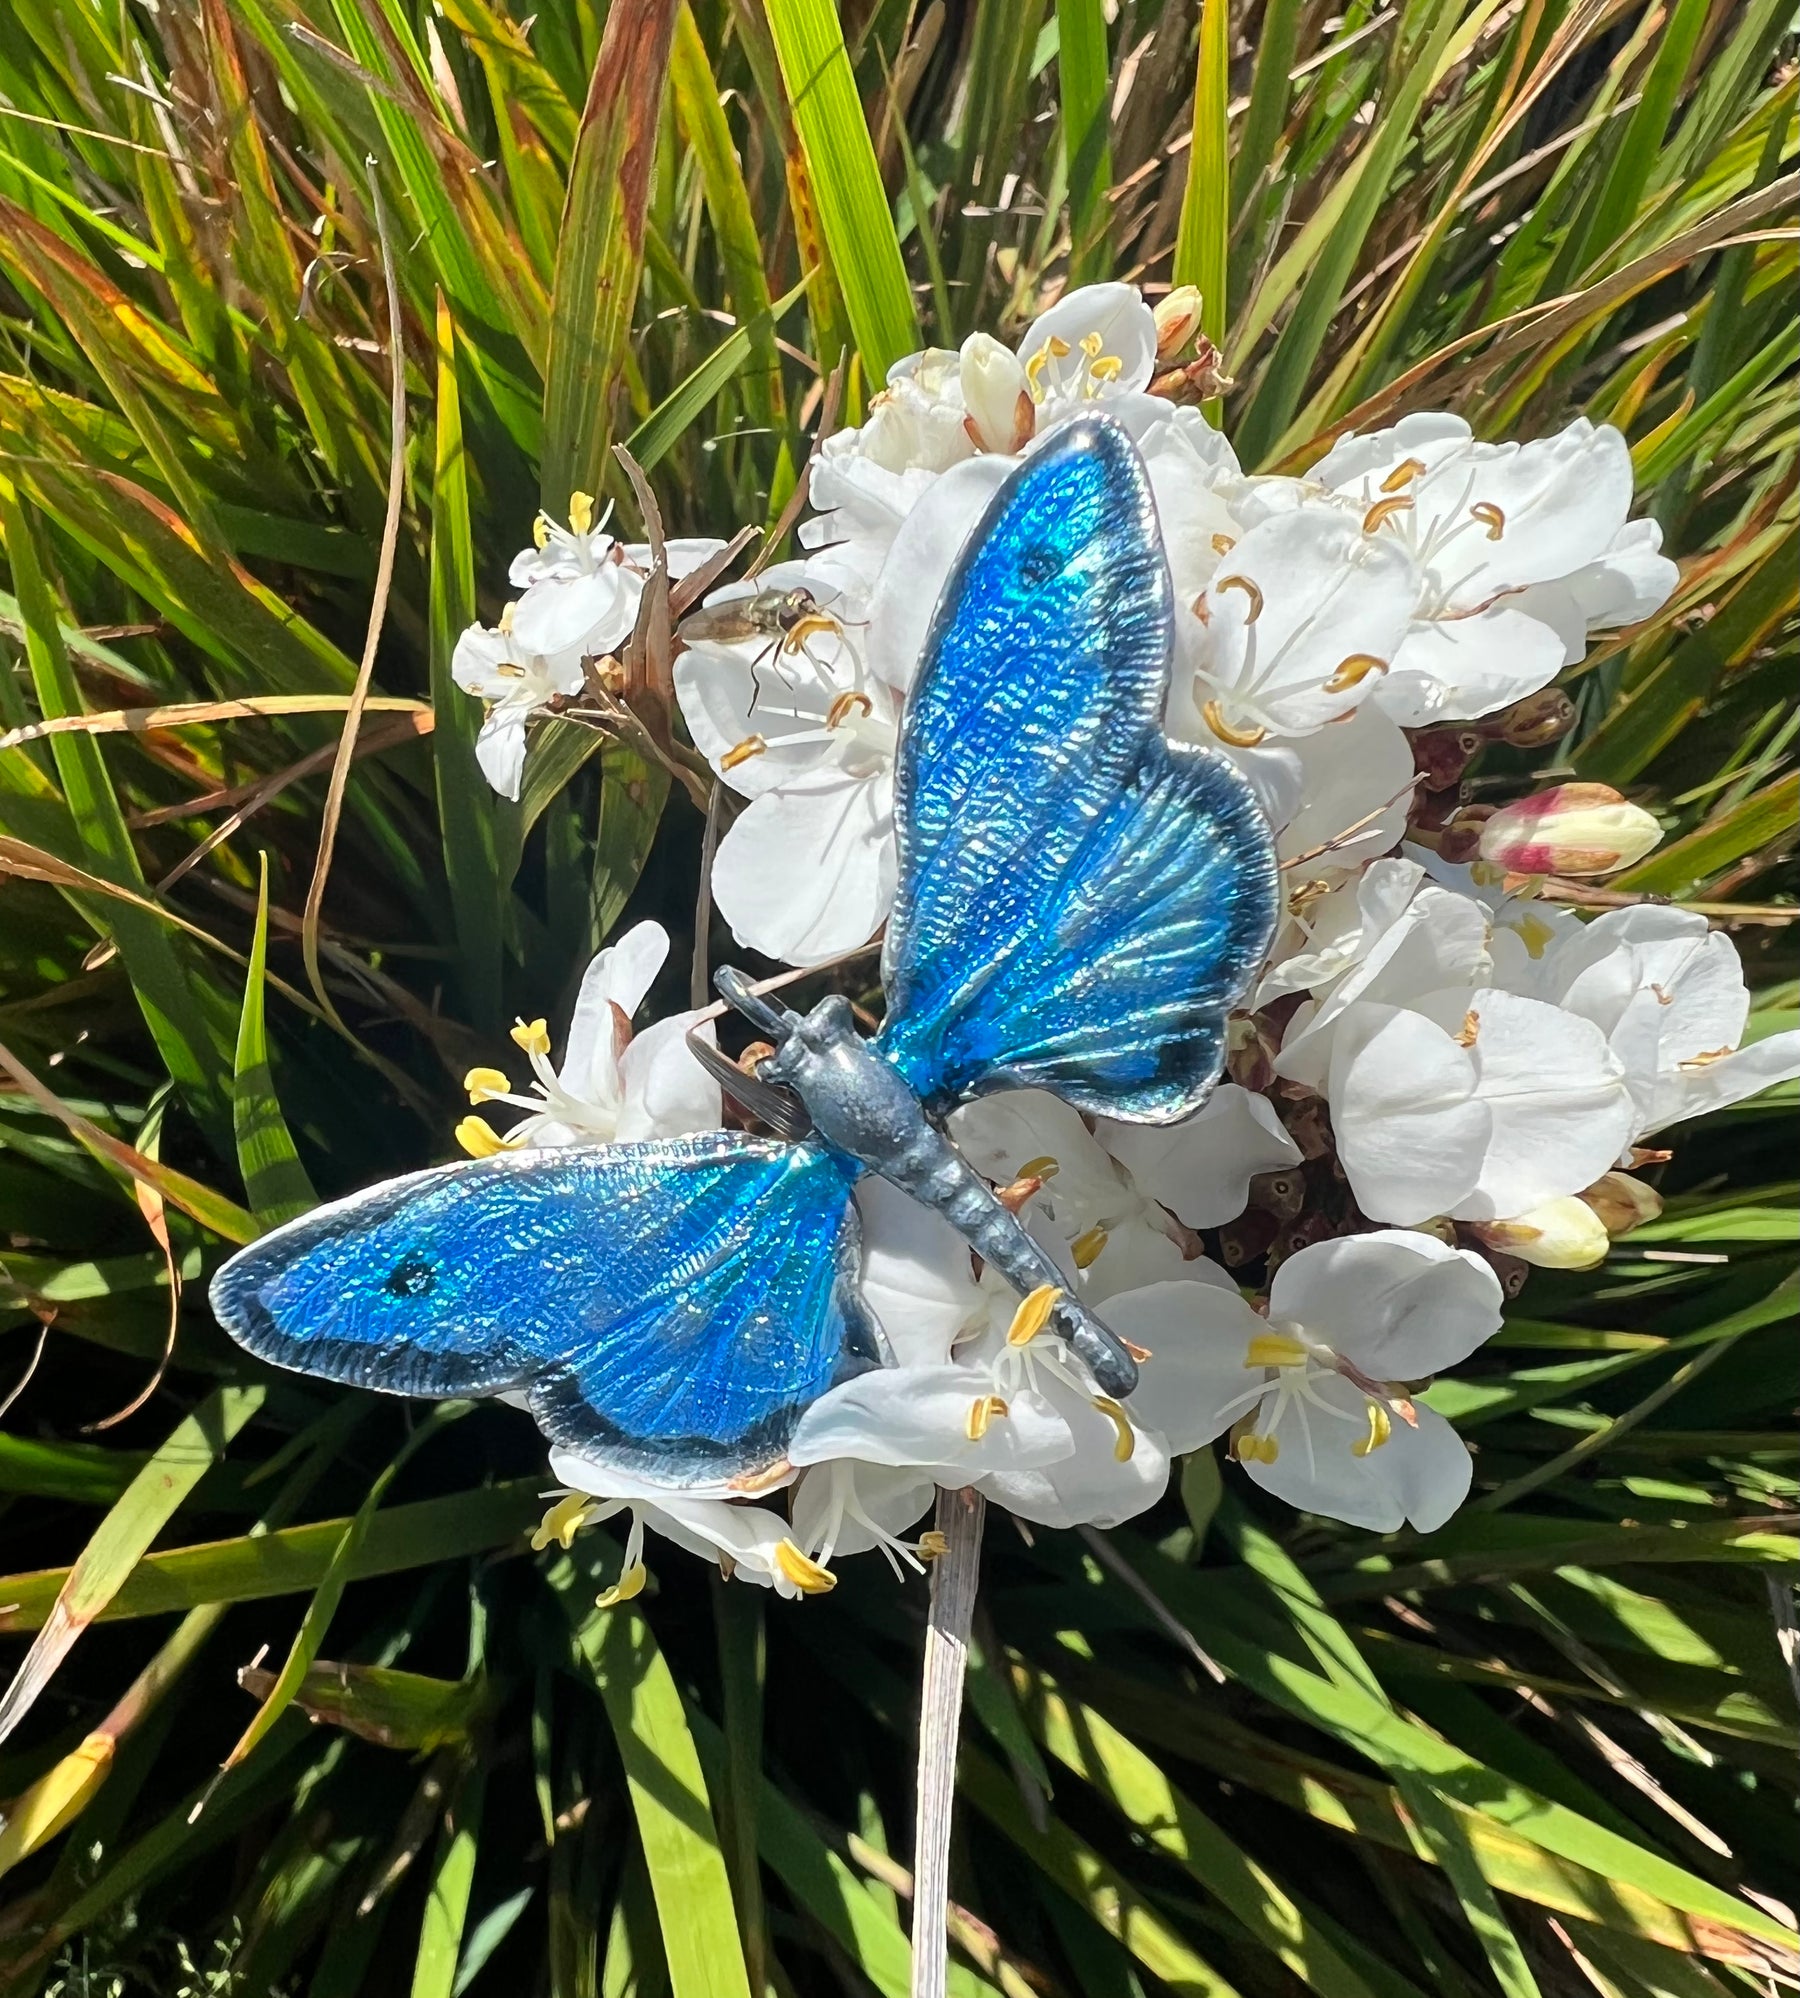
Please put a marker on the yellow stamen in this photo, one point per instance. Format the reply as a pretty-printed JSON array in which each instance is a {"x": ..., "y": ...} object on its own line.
[
  {"x": 1125, "y": 1437},
  {"x": 1223, "y": 544},
  {"x": 1251, "y": 1448},
  {"x": 1249, "y": 589},
  {"x": 1091, "y": 343},
  {"x": 847, "y": 704},
  {"x": 1403, "y": 475},
  {"x": 540, "y": 530},
  {"x": 479, "y": 1138},
  {"x": 1307, "y": 894},
  {"x": 1042, "y": 1168},
  {"x": 1385, "y": 509},
  {"x": 506, "y": 618},
  {"x": 1705, "y": 1059},
  {"x": 1032, "y": 1316},
  {"x": 484, "y": 1084},
  {"x": 1059, "y": 347},
  {"x": 802, "y": 1570},
  {"x": 741, "y": 752},
  {"x": 1274, "y": 1349},
  {"x": 1239, "y": 738},
  {"x": 815, "y": 626},
  {"x": 581, "y": 512},
  {"x": 561, "y": 1523},
  {"x": 1085, "y": 1249},
  {"x": 1105, "y": 368},
  {"x": 629, "y": 1585},
  {"x": 1535, "y": 934},
  {"x": 1034, "y": 370},
  {"x": 532, "y": 1035},
  {"x": 1490, "y": 517},
  {"x": 764, "y": 1480},
  {"x": 932, "y": 1545},
  {"x": 1352, "y": 672},
  {"x": 981, "y": 1412},
  {"x": 1466, "y": 1035},
  {"x": 1380, "y": 1429}
]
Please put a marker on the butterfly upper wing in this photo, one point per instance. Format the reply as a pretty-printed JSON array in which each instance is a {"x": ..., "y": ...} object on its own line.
[
  {"x": 667, "y": 1309},
  {"x": 1080, "y": 903}
]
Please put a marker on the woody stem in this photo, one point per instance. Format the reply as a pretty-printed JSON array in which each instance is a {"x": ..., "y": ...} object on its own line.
[{"x": 953, "y": 1578}]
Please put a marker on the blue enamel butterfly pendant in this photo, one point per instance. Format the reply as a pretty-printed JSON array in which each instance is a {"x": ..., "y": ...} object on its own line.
[{"x": 1080, "y": 904}]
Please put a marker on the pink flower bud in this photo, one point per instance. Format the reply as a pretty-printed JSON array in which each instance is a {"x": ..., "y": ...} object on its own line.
[
  {"x": 1176, "y": 316},
  {"x": 1001, "y": 414},
  {"x": 1569, "y": 829}
]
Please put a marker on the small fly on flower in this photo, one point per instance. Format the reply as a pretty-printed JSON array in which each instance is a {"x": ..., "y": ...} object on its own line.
[{"x": 787, "y": 618}]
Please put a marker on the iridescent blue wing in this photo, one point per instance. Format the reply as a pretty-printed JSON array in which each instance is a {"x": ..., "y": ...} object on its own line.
[
  {"x": 1080, "y": 903},
  {"x": 668, "y": 1309}
]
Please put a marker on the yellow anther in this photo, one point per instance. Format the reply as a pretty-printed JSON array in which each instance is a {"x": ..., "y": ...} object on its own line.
[
  {"x": 1249, "y": 589},
  {"x": 1490, "y": 517},
  {"x": 479, "y": 1138},
  {"x": 1105, "y": 368},
  {"x": 815, "y": 626},
  {"x": 1223, "y": 544},
  {"x": 846, "y": 705},
  {"x": 540, "y": 530},
  {"x": 629, "y": 1585},
  {"x": 1239, "y": 738},
  {"x": 1085, "y": 1249},
  {"x": 505, "y": 624},
  {"x": 802, "y": 1570},
  {"x": 1274, "y": 1349},
  {"x": 1705, "y": 1059},
  {"x": 581, "y": 512},
  {"x": 563, "y": 1521},
  {"x": 1352, "y": 672},
  {"x": 1039, "y": 1168},
  {"x": 1307, "y": 894},
  {"x": 1124, "y": 1436},
  {"x": 484, "y": 1084},
  {"x": 1060, "y": 349},
  {"x": 1535, "y": 934},
  {"x": 1466, "y": 1035},
  {"x": 1381, "y": 1427},
  {"x": 1034, "y": 371},
  {"x": 983, "y": 1410},
  {"x": 1252, "y": 1448},
  {"x": 1403, "y": 475},
  {"x": 1032, "y": 1315},
  {"x": 741, "y": 752},
  {"x": 1385, "y": 509},
  {"x": 1091, "y": 343},
  {"x": 932, "y": 1545},
  {"x": 532, "y": 1035}
]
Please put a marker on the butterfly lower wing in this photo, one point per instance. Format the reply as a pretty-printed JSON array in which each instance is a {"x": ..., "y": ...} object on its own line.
[
  {"x": 1079, "y": 903},
  {"x": 668, "y": 1310}
]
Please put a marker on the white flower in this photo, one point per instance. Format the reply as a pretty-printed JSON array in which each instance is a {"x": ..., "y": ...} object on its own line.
[
  {"x": 748, "y": 1541},
  {"x": 808, "y": 735},
  {"x": 1096, "y": 344},
  {"x": 1667, "y": 992},
  {"x": 581, "y": 587},
  {"x": 614, "y": 1087},
  {"x": 1518, "y": 550},
  {"x": 514, "y": 681},
  {"x": 1476, "y": 1104},
  {"x": 1298, "y": 623},
  {"x": 1390, "y": 938},
  {"x": 1317, "y": 1394}
]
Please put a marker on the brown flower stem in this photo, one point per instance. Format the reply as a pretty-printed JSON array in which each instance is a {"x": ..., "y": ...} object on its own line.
[{"x": 953, "y": 1578}]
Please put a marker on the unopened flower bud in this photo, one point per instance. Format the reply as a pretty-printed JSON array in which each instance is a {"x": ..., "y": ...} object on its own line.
[
  {"x": 1623, "y": 1203},
  {"x": 1563, "y": 1234},
  {"x": 1569, "y": 829},
  {"x": 1537, "y": 721},
  {"x": 1176, "y": 317},
  {"x": 1001, "y": 415}
]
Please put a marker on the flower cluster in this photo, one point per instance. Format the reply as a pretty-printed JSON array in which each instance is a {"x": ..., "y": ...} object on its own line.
[{"x": 1442, "y": 1075}]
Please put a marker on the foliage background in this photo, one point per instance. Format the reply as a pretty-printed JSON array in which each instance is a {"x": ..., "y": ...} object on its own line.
[{"x": 1222, "y": 1751}]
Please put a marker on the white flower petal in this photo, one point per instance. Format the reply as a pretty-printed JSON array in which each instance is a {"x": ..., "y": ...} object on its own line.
[
  {"x": 1117, "y": 314},
  {"x": 1715, "y": 1085},
  {"x": 1422, "y": 1474},
  {"x": 1201, "y": 1168},
  {"x": 807, "y": 872},
  {"x": 585, "y": 614},
  {"x": 1197, "y": 1332},
  {"x": 1398, "y": 1305},
  {"x": 1459, "y": 669},
  {"x": 1091, "y": 1486},
  {"x": 910, "y": 1416},
  {"x": 666, "y": 1092},
  {"x": 1410, "y": 1129},
  {"x": 500, "y": 751},
  {"x": 1355, "y": 464},
  {"x": 917, "y": 1275},
  {"x": 621, "y": 975}
]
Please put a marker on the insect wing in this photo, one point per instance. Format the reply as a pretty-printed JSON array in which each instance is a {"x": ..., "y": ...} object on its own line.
[
  {"x": 1080, "y": 903},
  {"x": 668, "y": 1309}
]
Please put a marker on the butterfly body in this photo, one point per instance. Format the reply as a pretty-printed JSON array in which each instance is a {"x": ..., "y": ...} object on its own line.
[{"x": 1079, "y": 905}]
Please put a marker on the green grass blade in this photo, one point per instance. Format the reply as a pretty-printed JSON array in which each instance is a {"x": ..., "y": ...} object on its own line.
[
  {"x": 668, "y": 1794},
  {"x": 275, "y": 1181},
  {"x": 600, "y": 254},
  {"x": 1203, "y": 239},
  {"x": 854, "y": 215},
  {"x": 447, "y": 1900},
  {"x": 1083, "y": 77},
  {"x": 468, "y": 810},
  {"x": 123, "y": 1537}
]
